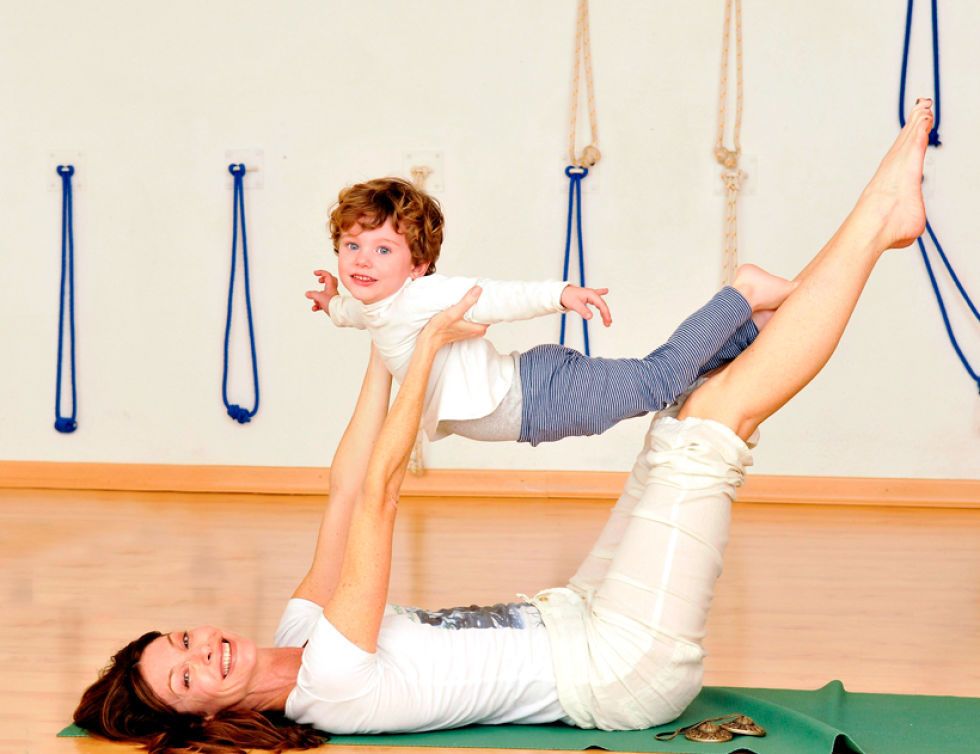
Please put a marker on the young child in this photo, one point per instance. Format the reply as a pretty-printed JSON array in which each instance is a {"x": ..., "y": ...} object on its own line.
[{"x": 387, "y": 235}]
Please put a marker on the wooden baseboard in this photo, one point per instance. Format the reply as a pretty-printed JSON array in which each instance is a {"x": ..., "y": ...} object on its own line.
[{"x": 599, "y": 485}]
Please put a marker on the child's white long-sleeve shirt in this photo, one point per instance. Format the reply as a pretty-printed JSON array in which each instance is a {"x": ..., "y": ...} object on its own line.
[{"x": 469, "y": 378}]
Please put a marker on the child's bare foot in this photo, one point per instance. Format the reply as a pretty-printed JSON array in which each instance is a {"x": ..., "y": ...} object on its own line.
[
  {"x": 764, "y": 291},
  {"x": 894, "y": 194}
]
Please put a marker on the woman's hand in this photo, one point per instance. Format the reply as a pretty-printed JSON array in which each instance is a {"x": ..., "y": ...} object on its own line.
[{"x": 448, "y": 326}]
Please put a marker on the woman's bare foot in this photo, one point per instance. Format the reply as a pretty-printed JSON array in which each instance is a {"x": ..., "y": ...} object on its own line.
[
  {"x": 764, "y": 291},
  {"x": 894, "y": 194}
]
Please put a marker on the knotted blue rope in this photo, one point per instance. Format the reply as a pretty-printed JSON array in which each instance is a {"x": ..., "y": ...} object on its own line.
[
  {"x": 575, "y": 175},
  {"x": 236, "y": 412},
  {"x": 66, "y": 424},
  {"x": 934, "y": 141}
]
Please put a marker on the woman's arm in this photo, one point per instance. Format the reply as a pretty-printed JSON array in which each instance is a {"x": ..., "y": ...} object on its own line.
[
  {"x": 357, "y": 605},
  {"x": 350, "y": 463}
]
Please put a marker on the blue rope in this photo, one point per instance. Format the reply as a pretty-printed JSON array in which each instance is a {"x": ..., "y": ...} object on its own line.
[
  {"x": 236, "y": 412},
  {"x": 66, "y": 424},
  {"x": 575, "y": 175},
  {"x": 934, "y": 133},
  {"x": 935, "y": 142},
  {"x": 942, "y": 305}
]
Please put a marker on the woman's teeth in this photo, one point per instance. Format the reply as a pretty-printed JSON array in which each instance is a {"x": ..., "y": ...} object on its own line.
[{"x": 225, "y": 657}]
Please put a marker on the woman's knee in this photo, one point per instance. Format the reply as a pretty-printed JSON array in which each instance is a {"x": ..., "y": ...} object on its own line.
[
  {"x": 709, "y": 400},
  {"x": 717, "y": 400}
]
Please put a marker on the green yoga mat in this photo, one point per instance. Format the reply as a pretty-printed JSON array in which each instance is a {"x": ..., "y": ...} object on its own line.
[{"x": 829, "y": 720}]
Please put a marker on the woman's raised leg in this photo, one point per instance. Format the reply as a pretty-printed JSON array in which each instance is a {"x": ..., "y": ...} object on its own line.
[
  {"x": 647, "y": 617},
  {"x": 806, "y": 329},
  {"x": 592, "y": 570}
]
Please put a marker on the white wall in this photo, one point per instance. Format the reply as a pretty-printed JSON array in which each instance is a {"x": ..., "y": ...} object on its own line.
[{"x": 153, "y": 95}]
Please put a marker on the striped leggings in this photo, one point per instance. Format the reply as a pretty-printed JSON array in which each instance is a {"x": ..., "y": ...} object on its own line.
[{"x": 566, "y": 394}]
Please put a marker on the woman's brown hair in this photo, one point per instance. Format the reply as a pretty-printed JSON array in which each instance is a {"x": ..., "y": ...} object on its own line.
[
  {"x": 413, "y": 213},
  {"x": 121, "y": 706}
]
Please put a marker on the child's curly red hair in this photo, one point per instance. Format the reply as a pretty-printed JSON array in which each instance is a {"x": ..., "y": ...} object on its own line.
[{"x": 413, "y": 213}]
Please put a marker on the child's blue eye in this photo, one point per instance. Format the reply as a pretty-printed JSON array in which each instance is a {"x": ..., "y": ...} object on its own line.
[
  {"x": 384, "y": 250},
  {"x": 352, "y": 246}
]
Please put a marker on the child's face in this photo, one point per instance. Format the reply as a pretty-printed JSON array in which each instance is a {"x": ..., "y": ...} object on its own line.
[{"x": 373, "y": 264}]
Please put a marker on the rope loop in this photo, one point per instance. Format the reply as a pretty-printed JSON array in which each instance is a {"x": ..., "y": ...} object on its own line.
[
  {"x": 942, "y": 304},
  {"x": 590, "y": 155},
  {"x": 580, "y": 162},
  {"x": 236, "y": 412},
  {"x": 934, "y": 141},
  {"x": 416, "y": 461},
  {"x": 576, "y": 174},
  {"x": 728, "y": 158},
  {"x": 723, "y": 87},
  {"x": 66, "y": 424}
]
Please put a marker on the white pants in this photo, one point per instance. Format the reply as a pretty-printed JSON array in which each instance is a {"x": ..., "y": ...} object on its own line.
[{"x": 626, "y": 632}]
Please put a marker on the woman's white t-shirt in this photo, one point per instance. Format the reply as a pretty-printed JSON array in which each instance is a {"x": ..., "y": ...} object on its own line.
[{"x": 431, "y": 670}]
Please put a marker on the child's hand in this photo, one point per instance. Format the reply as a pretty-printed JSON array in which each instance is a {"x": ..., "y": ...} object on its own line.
[
  {"x": 321, "y": 299},
  {"x": 578, "y": 300}
]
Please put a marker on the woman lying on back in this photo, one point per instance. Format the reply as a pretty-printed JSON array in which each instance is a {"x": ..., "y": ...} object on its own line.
[{"x": 618, "y": 648}]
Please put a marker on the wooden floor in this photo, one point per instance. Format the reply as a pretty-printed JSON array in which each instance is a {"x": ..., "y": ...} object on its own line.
[{"x": 886, "y": 600}]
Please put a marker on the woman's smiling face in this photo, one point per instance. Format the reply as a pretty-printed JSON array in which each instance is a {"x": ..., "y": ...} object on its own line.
[{"x": 202, "y": 670}]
